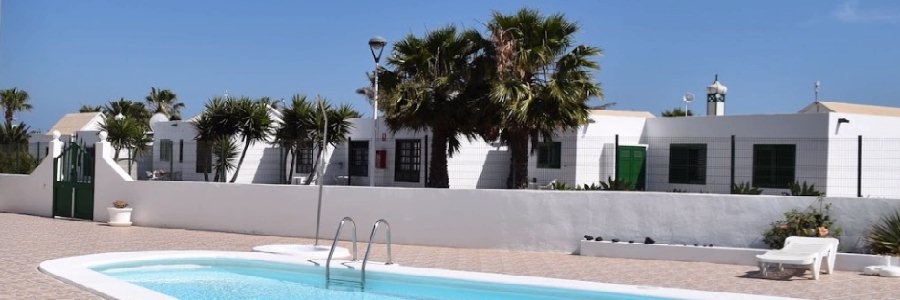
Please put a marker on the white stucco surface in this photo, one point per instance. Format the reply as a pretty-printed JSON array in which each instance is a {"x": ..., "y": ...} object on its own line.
[{"x": 533, "y": 220}]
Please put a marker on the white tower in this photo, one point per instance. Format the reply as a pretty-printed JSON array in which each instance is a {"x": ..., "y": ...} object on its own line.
[{"x": 715, "y": 98}]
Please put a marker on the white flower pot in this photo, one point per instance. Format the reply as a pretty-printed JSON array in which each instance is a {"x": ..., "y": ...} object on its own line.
[{"x": 119, "y": 216}]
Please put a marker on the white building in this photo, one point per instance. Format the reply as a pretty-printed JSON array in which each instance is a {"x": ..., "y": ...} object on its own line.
[{"x": 819, "y": 145}]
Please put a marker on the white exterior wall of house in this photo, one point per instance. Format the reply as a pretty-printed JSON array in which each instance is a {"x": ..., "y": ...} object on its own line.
[
  {"x": 807, "y": 131},
  {"x": 880, "y": 152},
  {"x": 477, "y": 164},
  {"x": 597, "y": 140}
]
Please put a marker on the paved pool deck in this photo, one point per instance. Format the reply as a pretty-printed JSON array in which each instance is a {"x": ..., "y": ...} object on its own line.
[{"x": 26, "y": 241}]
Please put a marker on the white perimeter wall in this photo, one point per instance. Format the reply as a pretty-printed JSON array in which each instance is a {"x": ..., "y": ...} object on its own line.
[{"x": 506, "y": 219}]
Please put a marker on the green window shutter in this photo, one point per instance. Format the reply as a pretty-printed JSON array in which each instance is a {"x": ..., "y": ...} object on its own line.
[
  {"x": 549, "y": 155},
  {"x": 687, "y": 163},
  {"x": 774, "y": 166},
  {"x": 204, "y": 157},
  {"x": 359, "y": 158},
  {"x": 407, "y": 160}
]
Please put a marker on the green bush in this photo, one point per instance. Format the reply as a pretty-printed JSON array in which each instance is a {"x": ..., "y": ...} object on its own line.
[
  {"x": 798, "y": 189},
  {"x": 744, "y": 188},
  {"x": 616, "y": 185},
  {"x": 561, "y": 185},
  {"x": 885, "y": 235},
  {"x": 814, "y": 222}
]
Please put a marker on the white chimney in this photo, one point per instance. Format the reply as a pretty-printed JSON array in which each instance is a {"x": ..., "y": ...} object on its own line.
[{"x": 715, "y": 98}]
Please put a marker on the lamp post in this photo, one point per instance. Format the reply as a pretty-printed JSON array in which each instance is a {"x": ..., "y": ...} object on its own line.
[{"x": 375, "y": 44}]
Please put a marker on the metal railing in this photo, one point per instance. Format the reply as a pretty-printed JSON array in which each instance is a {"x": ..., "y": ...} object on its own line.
[
  {"x": 371, "y": 241},
  {"x": 334, "y": 245}
]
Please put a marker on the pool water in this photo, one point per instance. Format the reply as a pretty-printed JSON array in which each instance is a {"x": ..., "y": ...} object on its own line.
[{"x": 245, "y": 279}]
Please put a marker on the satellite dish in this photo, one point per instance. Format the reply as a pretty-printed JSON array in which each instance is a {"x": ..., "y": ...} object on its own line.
[{"x": 688, "y": 97}]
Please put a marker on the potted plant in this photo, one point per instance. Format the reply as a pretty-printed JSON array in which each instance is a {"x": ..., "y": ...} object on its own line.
[{"x": 119, "y": 214}]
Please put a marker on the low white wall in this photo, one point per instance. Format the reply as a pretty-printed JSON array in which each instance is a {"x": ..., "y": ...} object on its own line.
[
  {"x": 33, "y": 193},
  {"x": 533, "y": 220},
  {"x": 507, "y": 219}
]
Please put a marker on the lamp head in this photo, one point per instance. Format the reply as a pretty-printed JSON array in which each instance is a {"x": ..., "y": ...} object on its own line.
[{"x": 377, "y": 43}]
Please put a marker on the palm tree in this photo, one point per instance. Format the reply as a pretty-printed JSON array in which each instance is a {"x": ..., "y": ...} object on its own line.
[
  {"x": 13, "y": 100},
  {"x": 677, "y": 112},
  {"x": 431, "y": 87},
  {"x": 543, "y": 81},
  {"x": 296, "y": 128},
  {"x": 14, "y": 155},
  {"x": 338, "y": 128},
  {"x": 129, "y": 109},
  {"x": 253, "y": 124},
  {"x": 165, "y": 101},
  {"x": 90, "y": 108},
  {"x": 214, "y": 126},
  {"x": 126, "y": 133}
]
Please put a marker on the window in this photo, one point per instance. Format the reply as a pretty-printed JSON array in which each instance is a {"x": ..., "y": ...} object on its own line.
[
  {"x": 204, "y": 157},
  {"x": 165, "y": 150},
  {"x": 408, "y": 159},
  {"x": 549, "y": 155},
  {"x": 359, "y": 158},
  {"x": 687, "y": 163},
  {"x": 774, "y": 165},
  {"x": 304, "y": 162},
  {"x": 180, "y": 151}
]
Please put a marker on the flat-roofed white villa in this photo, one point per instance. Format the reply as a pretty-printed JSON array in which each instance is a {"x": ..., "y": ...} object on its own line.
[{"x": 820, "y": 144}]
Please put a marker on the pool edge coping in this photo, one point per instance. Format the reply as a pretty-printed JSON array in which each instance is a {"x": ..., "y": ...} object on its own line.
[{"x": 77, "y": 271}]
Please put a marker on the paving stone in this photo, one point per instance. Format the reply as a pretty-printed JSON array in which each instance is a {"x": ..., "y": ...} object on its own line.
[{"x": 25, "y": 241}]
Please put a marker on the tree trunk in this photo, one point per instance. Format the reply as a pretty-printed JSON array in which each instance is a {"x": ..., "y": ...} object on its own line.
[
  {"x": 290, "y": 174},
  {"x": 241, "y": 161},
  {"x": 9, "y": 115},
  {"x": 315, "y": 168},
  {"x": 518, "y": 167},
  {"x": 438, "y": 177}
]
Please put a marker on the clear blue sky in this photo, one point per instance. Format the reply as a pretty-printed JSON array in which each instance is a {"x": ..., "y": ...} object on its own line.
[{"x": 68, "y": 53}]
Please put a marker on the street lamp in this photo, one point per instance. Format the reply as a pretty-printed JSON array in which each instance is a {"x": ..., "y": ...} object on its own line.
[{"x": 375, "y": 44}]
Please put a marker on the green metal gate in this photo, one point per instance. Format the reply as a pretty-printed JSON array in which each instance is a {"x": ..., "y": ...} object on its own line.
[
  {"x": 73, "y": 183},
  {"x": 631, "y": 165}
]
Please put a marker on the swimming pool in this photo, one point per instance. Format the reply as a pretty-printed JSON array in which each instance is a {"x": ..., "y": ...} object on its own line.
[{"x": 246, "y": 275}]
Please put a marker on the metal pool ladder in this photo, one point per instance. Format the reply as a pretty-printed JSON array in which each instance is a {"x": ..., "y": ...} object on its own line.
[
  {"x": 337, "y": 235},
  {"x": 334, "y": 245},
  {"x": 369, "y": 247}
]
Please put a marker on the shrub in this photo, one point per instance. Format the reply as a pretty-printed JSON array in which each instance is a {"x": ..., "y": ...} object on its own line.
[
  {"x": 804, "y": 190},
  {"x": 814, "y": 222},
  {"x": 586, "y": 187},
  {"x": 120, "y": 204},
  {"x": 560, "y": 185},
  {"x": 616, "y": 185},
  {"x": 885, "y": 235},
  {"x": 744, "y": 188}
]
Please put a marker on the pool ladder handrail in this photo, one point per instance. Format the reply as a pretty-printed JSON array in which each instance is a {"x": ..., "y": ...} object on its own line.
[
  {"x": 334, "y": 245},
  {"x": 369, "y": 247}
]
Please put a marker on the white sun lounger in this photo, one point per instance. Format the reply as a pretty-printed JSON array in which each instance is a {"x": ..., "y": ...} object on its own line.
[{"x": 811, "y": 252}]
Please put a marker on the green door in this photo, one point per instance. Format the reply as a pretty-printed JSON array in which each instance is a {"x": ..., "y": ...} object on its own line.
[
  {"x": 73, "y": 183},
  {"x": 631, "y": 166}
]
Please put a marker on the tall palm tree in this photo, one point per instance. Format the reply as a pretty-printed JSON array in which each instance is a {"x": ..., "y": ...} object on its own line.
[
  {"x": 14, "y": 155},
  {"x": 129, "y": 109},
  {"x": 543, "y": 81},
  {"x": 338, "y": 128},
  {"x": 13, "y": 100},
  {"x": 214, "y": 127},
  {"x": 126, "y": 133},
  {"x": 253, "y": 123},
  {"x": 165, "y": 101},
  {"x": 90, "y": 108},
  {"x": 677, "y": 112},
  {"x": 296, "y": 128},
  {"x": 431, "y": 87}
]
